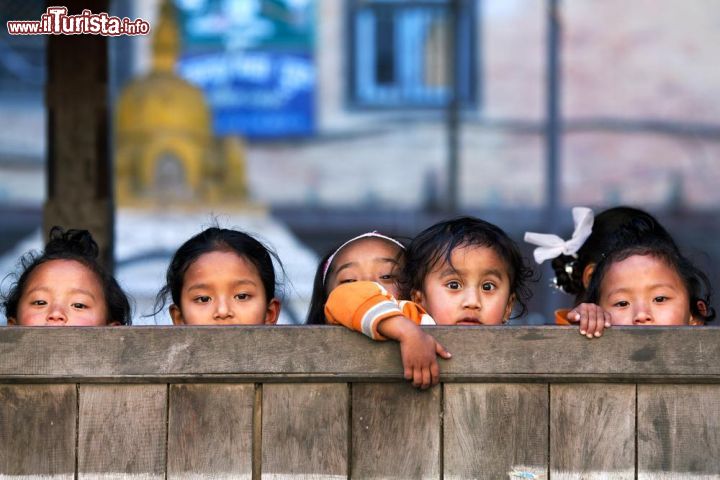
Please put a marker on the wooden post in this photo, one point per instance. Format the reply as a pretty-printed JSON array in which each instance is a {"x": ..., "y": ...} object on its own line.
[{"x": 79, "y": 163}]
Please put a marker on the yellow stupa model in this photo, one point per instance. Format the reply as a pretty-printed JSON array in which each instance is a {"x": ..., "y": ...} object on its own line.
[{"x": 165, "y": 150}]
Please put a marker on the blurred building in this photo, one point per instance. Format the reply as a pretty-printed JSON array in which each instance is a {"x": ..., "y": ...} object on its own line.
[{"x": 343, "y": 105}]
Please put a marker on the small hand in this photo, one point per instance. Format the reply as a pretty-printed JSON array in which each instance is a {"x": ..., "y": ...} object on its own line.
[
  {"x": 592, "y": 319},
  {"x": 419, "y": 351}
]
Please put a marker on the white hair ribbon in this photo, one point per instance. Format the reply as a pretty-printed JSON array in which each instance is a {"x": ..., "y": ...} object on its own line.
[
  {"x": 551, "y": 246},
  {"x": 372, "y": 234}
]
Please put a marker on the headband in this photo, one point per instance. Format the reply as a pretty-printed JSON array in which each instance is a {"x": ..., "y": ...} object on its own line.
[
  {"x": 372, "y": 234},
  {"x": 551, "y": 246}
]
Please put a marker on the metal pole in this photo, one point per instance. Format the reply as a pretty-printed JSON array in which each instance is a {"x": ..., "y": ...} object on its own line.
[
  {"x": 553, "y": 135},
  {"x": 453, "y": 107},
  {"x": 553, "y": 121}
]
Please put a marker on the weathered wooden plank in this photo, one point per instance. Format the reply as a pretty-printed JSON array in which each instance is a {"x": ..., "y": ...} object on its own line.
[
  {"x": 305, "y": 431},
  {"x": 678, "y": 431},
  {"x": 592, "y": 431},
  {"x": 122, "y": 431},
  {"x": 395, "y": 431},
  {"x": 495, "y": 431},
  {"x": 210, "y": 431},
  {"x": 505, "y": 354},
  {"x": 37, "y": 431}
]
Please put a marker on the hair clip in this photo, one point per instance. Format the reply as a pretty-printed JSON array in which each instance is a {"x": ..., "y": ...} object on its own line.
[
  {"x": 570, "y": 267},
  {"x": 555, "y": 285}
]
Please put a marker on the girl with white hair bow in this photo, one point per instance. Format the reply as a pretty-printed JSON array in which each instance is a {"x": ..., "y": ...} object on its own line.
[{"x": 574, "y": 260}]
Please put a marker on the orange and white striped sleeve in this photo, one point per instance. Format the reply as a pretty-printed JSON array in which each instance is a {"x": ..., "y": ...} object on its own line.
[
  {"x": 561, "y": 316},
  {"x": 361, "y": 306}
]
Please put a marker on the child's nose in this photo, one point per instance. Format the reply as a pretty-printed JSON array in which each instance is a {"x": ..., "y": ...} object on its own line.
[
  {"x": 642, "y": 315},
  {"x": 471, "y": 298},
  {"x": 56, "y": 314},
  {"x": 222, "y": 309}
]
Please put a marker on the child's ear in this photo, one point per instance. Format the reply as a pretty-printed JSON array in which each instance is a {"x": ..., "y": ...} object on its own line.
[
  {"x": 703, "y": 309},
  {"x": 417, "y": 297},
  {"x": 11, "y": 321},
  {"x": 176, "y": 315},
  {"x": 587, "y": 274},
  {"x": 273, "y": 312},
  {"x": 508, "y": 308}
]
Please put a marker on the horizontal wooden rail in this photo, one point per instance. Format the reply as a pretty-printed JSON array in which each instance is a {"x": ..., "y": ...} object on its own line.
[
  {"x": 324, "y": 353},
  {"x": 325, "y": 403}
]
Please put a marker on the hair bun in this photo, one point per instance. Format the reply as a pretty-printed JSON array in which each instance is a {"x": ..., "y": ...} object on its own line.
[
  {"x": 568, "y": 276},
  {"x": 78, "y": 242}
]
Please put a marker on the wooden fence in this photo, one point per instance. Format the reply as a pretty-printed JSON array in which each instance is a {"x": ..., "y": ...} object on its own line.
[{"x": 325, "y": 403}]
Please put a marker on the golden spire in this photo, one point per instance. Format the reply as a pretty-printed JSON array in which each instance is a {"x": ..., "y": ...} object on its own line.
[{"x": 166, "y": 41}]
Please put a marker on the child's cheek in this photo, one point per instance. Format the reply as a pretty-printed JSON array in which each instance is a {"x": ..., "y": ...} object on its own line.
[{"x": 619, "y": 317}]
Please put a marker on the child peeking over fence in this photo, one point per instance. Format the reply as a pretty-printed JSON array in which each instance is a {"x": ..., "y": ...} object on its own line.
[
  {"x": 221, "y": 277},
  {"x": 65, "y": 285},
  {"x": 644, "y": 280},
  {"x": 575, "y": 260},
  {"x": 458, "y": 272},
  {"x": 359, "y": 282}
]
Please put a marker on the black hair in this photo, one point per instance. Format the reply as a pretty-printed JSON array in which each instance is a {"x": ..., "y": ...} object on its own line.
[
  {"x": 77, "y": 245},
  {"x": 630, "y": 243},
  {"x": 569, "y": 269},
  {"x": 316, "y": 311},
  {"x": 215, "y": 239},
  {"x": 436, "y": 244}
]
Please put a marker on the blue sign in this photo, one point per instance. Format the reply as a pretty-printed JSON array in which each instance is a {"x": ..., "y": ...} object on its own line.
[{"x": 260, "y": 94}]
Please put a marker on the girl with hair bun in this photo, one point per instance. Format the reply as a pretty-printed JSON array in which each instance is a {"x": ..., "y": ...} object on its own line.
[
  {"x": 65, "y": 285},
  {"x": 574, "y": 261}
]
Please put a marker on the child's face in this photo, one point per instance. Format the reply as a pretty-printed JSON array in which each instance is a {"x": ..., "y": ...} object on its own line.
[
  {"x": 223, "y": 288},
  {"x": 367, "y": 259},
  {"x": 644, "y": 290},
  {"x": 474, "y": 290},
  {"x": 62, "y": 293}
]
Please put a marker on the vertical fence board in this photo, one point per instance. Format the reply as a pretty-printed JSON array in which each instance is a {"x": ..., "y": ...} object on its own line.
[
  {"x": 678, "y": 431},
  {"x": 305, "y": 430},
  {"x": 37, "y": 431},
  {"x": 592, "y": 431},
  {"x": 210, "y": 431},
  {"x": 122, "y": 431},
  {"x": 495, "y": 431},
  {"x": 395, "y": 431}
]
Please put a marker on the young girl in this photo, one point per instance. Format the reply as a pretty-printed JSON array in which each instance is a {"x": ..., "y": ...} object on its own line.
[
  {"x": 461, "y": 272},
  {"x": 221, "y": 277},
  {"x": 647, "y": 282},
  {"x": 467, "y": 271},
  {"x": 361, "y": 275},
  {"x": 370, "y": 256},
  {"x": 574, "y": 260},
  {"x": 66, "y": 286}
]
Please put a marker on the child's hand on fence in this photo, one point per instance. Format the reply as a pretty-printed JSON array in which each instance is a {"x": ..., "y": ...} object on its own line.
[
  {"x": 418, "y": 350},
  {"x": 592, "y": 319}
]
